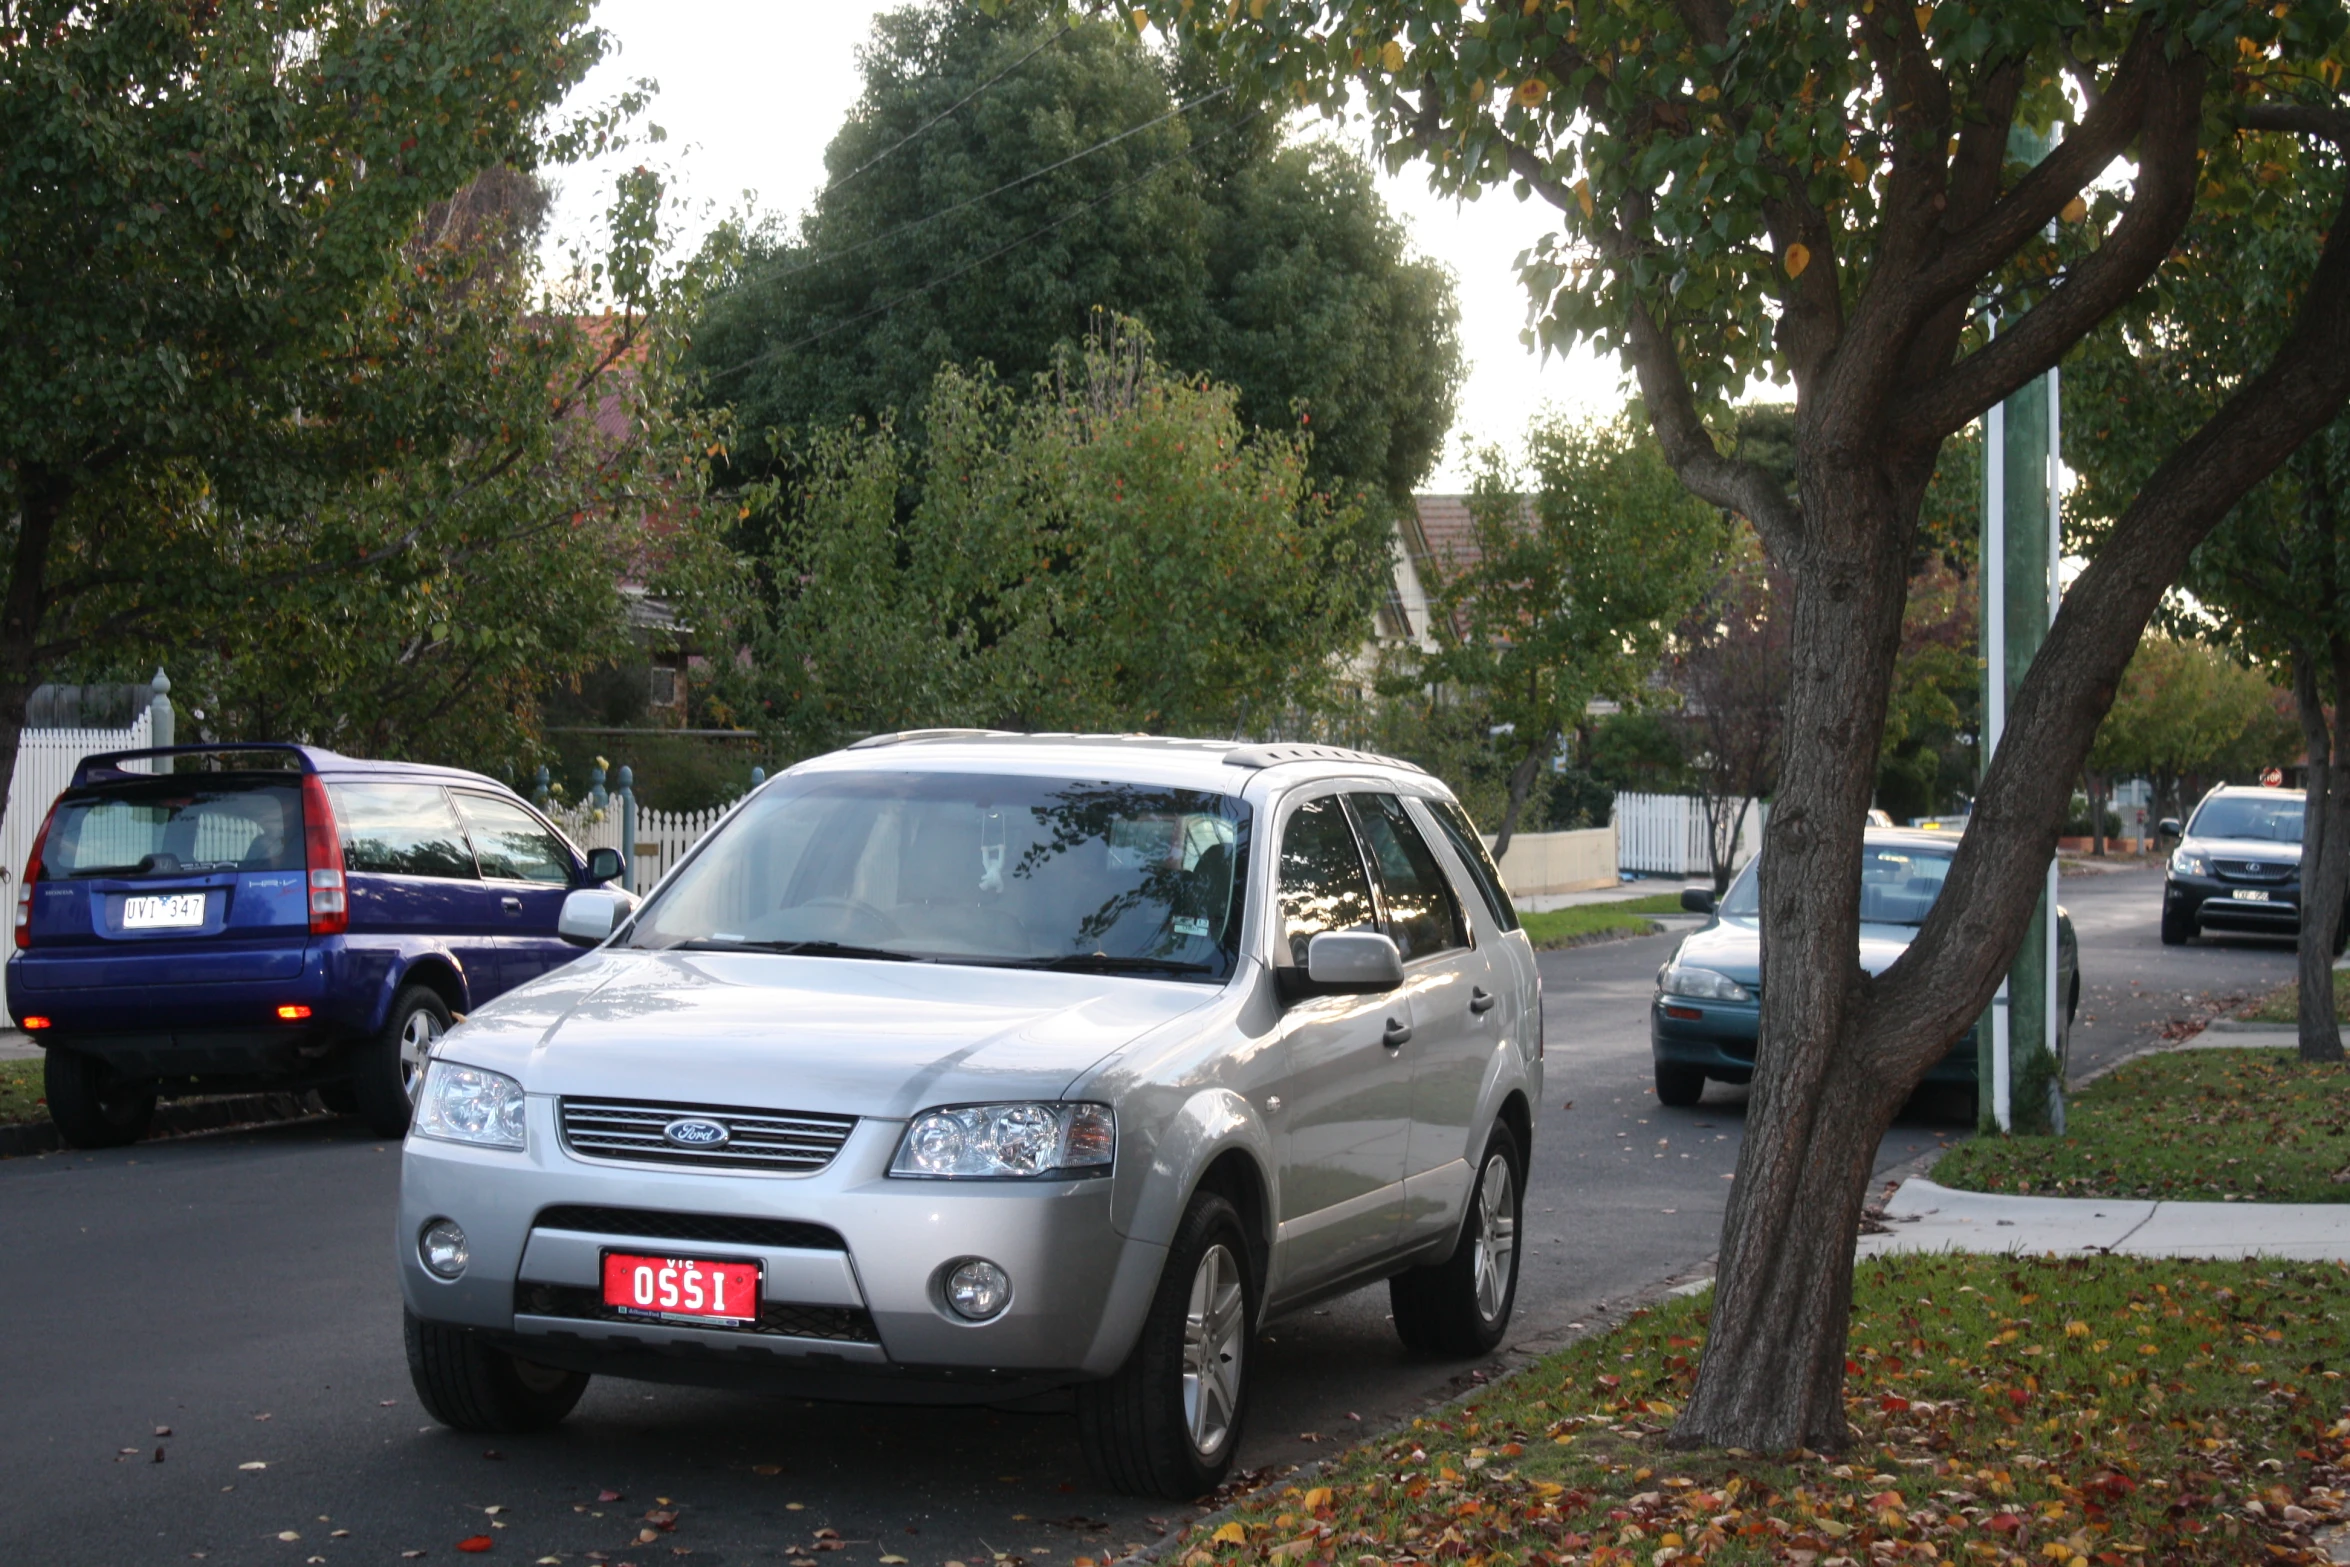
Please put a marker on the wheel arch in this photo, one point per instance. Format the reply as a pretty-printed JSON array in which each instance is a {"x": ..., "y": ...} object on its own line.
[
  {"x": 1234, "y": 1175},
  {"x": 435, "y": 971}
]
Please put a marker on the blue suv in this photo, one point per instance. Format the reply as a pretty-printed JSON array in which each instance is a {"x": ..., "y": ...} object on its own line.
[{"x": 274, "y": 917}]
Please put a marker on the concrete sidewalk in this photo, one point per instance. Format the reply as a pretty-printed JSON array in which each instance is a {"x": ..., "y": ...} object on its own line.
[
  {"x": 1622, "y": 892},
  {"x": 1927, "y": 1217}
]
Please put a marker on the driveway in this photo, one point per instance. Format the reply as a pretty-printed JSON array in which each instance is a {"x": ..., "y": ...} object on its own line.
[{"x": 237, "y": 1289}]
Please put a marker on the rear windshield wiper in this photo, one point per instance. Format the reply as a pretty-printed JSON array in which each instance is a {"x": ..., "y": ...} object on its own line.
[
  {"x": 813, "y": 949},
  {"x": 1101, "y": 963}
]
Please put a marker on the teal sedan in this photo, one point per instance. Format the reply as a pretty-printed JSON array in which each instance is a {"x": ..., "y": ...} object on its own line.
[{"x": 1707, "y": 1011}]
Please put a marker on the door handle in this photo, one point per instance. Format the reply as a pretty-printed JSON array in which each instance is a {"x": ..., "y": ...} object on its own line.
[
  {"x": 1481, "y": 1000},
  {"x": 1399, "y": 1033},
  {"x": 511, "y": 904}
]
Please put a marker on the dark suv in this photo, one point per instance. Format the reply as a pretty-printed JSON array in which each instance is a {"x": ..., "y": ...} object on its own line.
[
  {"x": 2237, "y": 869},
  {"x": 267, "y": 917}
]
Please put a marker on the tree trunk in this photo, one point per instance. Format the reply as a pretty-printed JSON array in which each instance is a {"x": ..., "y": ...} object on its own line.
[
  {"x": 1721, "y": 855},
  {"x": 42, "y": 496},
  {"x": 1772, "y": 1377},
  {"x": 2325, "y": 850},
  {"x": 1521, "y": 785},
  {"x": 2096, "y": 782}
]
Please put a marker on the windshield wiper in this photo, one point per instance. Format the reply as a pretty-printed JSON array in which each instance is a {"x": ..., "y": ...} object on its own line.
[
  {"x": 1099, "y": 963},
  {"x": 812, "y": 949}
]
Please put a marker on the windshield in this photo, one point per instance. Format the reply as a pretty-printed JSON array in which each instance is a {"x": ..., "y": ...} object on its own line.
[
  {"x": 969, "y": 868},
  {"x": 1898, "y": 885},
  {"x": 175, "y": 826},
  {"x": 2276, "y": 818}
]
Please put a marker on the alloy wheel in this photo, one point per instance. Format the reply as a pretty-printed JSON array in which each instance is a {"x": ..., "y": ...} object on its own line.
[
  {"x": 1497, "y": 1237},
  {"x": 416, "y": 1041},
  {"x": 1214, "y": 1332}
]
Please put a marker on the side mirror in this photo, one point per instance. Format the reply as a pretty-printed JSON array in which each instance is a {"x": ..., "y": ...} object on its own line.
[
  {"x": 1697, "y": 900},
  {"x": 2168, "y": 827},
  {"x": 592, "y": 913},
  {"x": 1345, "y": 963},
  {"x": 603, "y": 865}
]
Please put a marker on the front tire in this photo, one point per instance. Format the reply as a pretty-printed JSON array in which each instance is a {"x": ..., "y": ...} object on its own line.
[
  {"x": 471, "y": 1386},
  {"x": 387, "y": 1070},
  {"x": 1460, "y": 1308},
  {"x": 1679, "y": 1086},
  {"x": 2178, "y": 926},
  {"x": 1167, "y": 1423},
  {"x": 90, "y": 1105}
]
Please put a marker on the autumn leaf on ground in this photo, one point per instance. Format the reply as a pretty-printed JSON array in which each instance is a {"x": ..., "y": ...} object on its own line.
[{"x": 476, "y": 1543}]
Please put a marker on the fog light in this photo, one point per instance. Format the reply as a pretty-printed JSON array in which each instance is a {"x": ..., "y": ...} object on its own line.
[
  {"x": 978, "y": 1289},
  {"x": 442, "y": 1246}
]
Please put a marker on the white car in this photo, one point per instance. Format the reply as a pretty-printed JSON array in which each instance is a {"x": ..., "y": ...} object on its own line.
[{"x": 959, "y": 1066}]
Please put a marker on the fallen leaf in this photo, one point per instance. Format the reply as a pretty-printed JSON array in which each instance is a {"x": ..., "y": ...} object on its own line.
[
  {"x": 607, "y": 1496},
  {"x": 766, "y": 1469},
  {"x": 288, "y": 1534},
  {"x": 255, "y": 1464},
  {"x": 1229, "y": 1534},
  {"x": 409, "y": 1556},
  {"x": 163, "y": 1430},
  {"x": 476, "y": 1543}
]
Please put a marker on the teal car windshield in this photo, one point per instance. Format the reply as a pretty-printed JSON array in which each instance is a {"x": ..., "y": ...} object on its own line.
[
  {"x": 989, "y": 869},
  {"x": 1898, "y": 885}
]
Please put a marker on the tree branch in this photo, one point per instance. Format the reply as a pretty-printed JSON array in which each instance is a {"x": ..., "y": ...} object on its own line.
[
  {"x": 1948, "y": 974},
  {"x": 2096, "y": 286}
]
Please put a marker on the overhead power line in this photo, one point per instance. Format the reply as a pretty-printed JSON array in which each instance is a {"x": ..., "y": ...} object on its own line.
[
  {"x": 805, "y": 263},
  {"x": 976, "y": 262}
]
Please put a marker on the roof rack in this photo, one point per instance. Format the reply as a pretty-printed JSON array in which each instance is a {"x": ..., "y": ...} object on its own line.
[
  {"x": 904, "y": 735},
  {"x": 1276, "y": 754}
]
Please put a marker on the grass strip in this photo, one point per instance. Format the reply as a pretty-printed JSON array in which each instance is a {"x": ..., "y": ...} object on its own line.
[
  {"x": 1587, "y": 921},
  {"x": 2184, "y": 1125},
  {"x": 2004, "y": 1411},
  {"x": 2283, "y": 1004},
  {"x": 22, "y": 1096}
]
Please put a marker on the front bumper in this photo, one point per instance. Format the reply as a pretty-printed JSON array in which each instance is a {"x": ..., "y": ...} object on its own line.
[
  {"x": 1718, "y": 1038},
  {"x": 852, "y": 1261},
  {"x": 2213, "y": 904}
]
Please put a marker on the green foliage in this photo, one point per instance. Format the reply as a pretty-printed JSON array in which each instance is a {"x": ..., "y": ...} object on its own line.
[
  {"x": 1637, "y": 751},
  {"x": 1113, "y": 550},
  {"x": 2188, "y": 711},
  {"x": 1274, "y": 267},
  {"x": 285, "y": 405},
  {"x": 1927, "y": 757},
  {"x": 1578, "y": 800},
  {"x": 1579, "y": 578}
]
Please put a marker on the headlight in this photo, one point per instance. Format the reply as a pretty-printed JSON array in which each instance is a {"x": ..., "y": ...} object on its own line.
[
  {"x": 1702, "y": 983},
  {"x": 2187, "y": 864},
  {"x": 1008, "y": 1140},
  {"x": 465, "y": 1104}
]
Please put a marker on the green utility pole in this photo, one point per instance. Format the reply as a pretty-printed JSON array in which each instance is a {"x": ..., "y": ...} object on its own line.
[{"x": 2020, "y": 1076}]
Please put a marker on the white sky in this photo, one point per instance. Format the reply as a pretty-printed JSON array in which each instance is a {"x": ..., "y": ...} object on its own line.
[{"x": 738, "y": 123}]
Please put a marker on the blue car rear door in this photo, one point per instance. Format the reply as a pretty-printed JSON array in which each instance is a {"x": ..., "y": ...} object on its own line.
[
  {"x": 412, "y": 875},
  {"x": 531, "y": 871}
]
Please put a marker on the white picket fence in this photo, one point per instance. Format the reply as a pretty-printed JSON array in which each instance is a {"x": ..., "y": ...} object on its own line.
[
  {"x": 662, "y": 837},
  {"x": 1665, "y": 834},
  {"x": 45, "y": 760}
]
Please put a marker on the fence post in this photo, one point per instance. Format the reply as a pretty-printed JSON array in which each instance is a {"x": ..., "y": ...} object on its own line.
[
  {"x": 628, "y": 824},
  {"x": 597, "y": 793},
  {"x": 758, "y": 776},
  {"x": 162, "y": 728},
  {"x": 544, "y": 788}
]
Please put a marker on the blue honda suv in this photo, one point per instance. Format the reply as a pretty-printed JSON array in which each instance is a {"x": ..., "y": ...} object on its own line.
[{"x": 226, "y": 918}]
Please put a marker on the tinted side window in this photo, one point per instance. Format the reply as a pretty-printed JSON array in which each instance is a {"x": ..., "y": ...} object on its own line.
[
  {"x": 1422, "y": 914},
  {"x": 1323, "y": 886},
  {"x": 400, "y": 830},
  {"x": 1462, "y": 834},
  {"x": 513, "y": 846}
]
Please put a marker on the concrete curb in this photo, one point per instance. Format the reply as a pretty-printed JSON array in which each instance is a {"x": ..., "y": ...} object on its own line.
[{"x": 180, "y": 1118}]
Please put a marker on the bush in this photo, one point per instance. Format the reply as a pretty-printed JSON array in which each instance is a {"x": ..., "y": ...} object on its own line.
[{"x": 1578, "y": 800}]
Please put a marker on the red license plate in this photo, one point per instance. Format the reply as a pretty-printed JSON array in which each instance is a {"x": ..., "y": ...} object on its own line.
[{"x": 688, "y": 1287}]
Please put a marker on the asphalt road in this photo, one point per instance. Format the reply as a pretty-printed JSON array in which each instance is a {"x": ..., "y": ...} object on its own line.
[{"x": 236, "y": 1290}]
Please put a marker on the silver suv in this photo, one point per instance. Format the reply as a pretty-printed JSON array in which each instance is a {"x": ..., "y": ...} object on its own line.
[{"x": 959, "y": 1066}]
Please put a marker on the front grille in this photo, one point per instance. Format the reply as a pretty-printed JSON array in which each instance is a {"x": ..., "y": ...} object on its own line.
[
  {"x": 717, "y": 1228},
  {"x": 2265, "y": 871},
  {"x": 779, "y": 1319},
  {"x": 785, "y": 1140}
]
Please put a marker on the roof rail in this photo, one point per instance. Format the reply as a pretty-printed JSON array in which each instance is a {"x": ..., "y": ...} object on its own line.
[
  {"x": 904, "y": 735},
  {"x": 1298, "y": 751}
]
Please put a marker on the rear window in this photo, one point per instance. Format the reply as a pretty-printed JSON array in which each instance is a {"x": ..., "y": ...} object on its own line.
[{"x": 175, "y": 826}]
